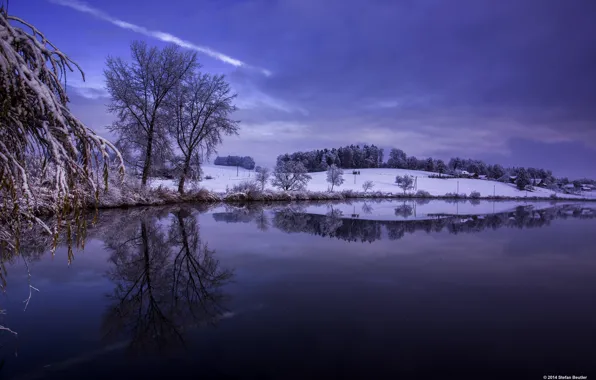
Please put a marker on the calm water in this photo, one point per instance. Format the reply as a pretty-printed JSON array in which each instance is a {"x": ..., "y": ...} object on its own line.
[{"x": 358, "y": 290}]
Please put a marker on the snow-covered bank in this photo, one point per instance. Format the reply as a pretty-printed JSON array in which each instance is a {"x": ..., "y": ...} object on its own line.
[{"x": 223, "y": 178}]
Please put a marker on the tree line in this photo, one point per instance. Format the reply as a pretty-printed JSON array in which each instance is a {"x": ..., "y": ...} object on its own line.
[
  {"x": 245, "y": 162},
  {"x": 370, "y": 156},
  {"x": 349, "y": 156}
]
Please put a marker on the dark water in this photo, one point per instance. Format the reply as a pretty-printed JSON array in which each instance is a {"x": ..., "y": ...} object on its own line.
[{"x": 311, "y": 292}]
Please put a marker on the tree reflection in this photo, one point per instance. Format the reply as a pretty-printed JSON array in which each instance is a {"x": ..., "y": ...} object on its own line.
[
  {"x": 335, "y": 224},
  {"x": 405, "y": 210},
  {"x": 167, "y": 280}
]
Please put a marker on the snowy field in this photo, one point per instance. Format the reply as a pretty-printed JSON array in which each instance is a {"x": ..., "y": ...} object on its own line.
[{"x": 383, "y": 179}]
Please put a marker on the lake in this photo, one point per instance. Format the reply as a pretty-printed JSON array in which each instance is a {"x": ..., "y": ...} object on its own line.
[{"x": 371, "y": 290}]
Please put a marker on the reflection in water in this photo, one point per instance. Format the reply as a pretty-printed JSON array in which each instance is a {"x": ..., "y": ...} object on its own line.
[
  {"x": 405, "y": 210},
  {"x": 367, "y": 208},
  {"x": 166, "y": 281},
  {"x": 370, "y": 309},
  {"x": 334, "y": 224}
]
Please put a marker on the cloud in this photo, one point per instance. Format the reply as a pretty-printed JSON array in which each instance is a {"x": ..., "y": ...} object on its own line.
[{"x": 162, "y": 36}]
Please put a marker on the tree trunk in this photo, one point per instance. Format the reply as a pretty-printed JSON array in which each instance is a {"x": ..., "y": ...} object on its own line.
[
  {"x": 147, "y": 164},
  {"x": 185, "y": 170}
]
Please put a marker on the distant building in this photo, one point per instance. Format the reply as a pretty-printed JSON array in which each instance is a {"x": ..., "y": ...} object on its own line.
[{"x": 463, "y": 173}]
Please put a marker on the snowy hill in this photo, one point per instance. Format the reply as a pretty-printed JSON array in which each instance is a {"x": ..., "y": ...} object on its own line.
[{"x": 383, "y": 179}]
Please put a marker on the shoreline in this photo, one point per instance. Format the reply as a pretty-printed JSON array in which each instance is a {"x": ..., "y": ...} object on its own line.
[{"x": 163, "y": 198}]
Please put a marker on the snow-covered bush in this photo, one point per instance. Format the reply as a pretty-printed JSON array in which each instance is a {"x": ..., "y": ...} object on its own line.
[
  {"x": 247, "y": 187},
  {"x": 475, "y": 195}
]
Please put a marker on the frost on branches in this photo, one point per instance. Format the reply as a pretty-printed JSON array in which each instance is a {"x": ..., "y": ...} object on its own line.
[{"x": 49, "y": 161}]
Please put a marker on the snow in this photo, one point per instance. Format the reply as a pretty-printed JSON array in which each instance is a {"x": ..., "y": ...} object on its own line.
[{"x": 383, "y": 179}]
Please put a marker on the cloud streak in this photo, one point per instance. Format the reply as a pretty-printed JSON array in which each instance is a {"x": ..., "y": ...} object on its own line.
[{"x": 162, "y": 36}]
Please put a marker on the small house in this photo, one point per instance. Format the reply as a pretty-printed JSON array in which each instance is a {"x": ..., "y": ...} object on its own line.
[
  {"x": 482, "y": 176},
  {"x": 512, "y": 178}
]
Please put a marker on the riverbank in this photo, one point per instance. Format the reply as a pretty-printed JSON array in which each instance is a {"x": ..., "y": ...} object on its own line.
[{"x": 161, "y": 196}]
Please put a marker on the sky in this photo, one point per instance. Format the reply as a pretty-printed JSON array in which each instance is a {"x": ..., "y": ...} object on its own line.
[{"x": 508, "y": 81}]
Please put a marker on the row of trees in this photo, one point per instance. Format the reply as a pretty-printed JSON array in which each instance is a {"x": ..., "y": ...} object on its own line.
[
  {"x": 167, "y": 110},
  {"x": 370, "y": 156},
  {"x": 293, "y": 176},
  {"x": 352, "y": 156},
  {"x": 245, "y": 162}
]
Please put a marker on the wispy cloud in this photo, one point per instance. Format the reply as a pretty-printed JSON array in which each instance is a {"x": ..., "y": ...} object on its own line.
[{"x": 162, "y": 36}]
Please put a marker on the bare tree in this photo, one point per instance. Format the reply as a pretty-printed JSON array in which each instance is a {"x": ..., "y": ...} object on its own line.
[
  {"x": 335, "y": 176},
  {"x": 262, "y": 176},
  {"x": 37, "y": 129},
  {"x": 139, "y": 90},
  {"x": 367, "y": 185},
  {"x": 406, "y": 182},
  {"x": 290, "y": 175},
  {"x": 200, "y": 107}
]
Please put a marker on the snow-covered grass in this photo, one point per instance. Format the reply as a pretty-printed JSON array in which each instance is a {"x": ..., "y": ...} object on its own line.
[{"x": 225, "y": 177}]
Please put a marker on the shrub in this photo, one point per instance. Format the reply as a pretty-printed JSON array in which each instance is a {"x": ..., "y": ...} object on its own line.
[
  {"x": 246, "y": 187},
  {"x": 423, "y": 194},
  {"x": 475, "y": 195},
  {"x": 455, "y": 195}
]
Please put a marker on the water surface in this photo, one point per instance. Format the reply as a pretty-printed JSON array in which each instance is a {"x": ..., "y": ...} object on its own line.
[{"x": 319, "y": 290}]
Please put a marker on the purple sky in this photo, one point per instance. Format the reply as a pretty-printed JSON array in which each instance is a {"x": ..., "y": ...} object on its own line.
[{"x": 508, "y": 81}]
